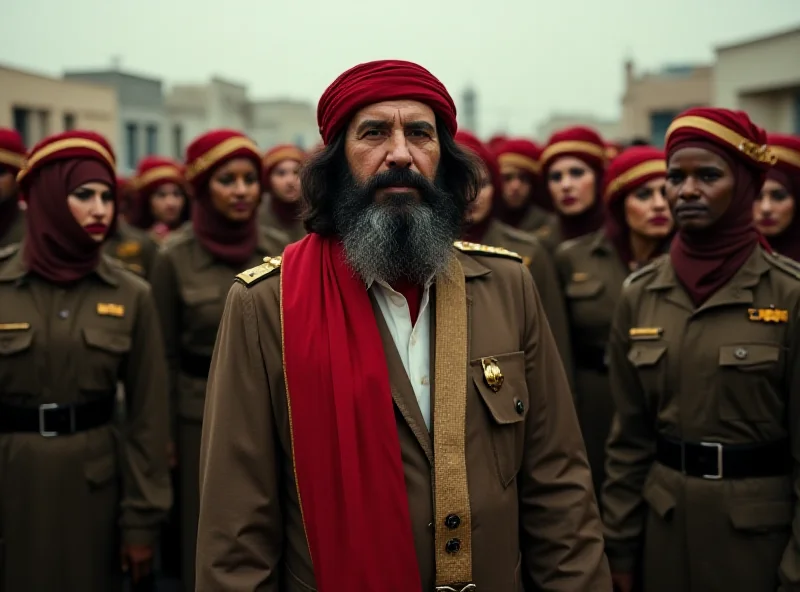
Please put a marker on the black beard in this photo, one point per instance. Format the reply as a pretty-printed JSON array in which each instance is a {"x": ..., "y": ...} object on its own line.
[{"x": 401, "y": 238}]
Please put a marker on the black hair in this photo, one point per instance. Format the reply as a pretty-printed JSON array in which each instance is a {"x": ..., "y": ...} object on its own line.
[{"x": 459, "y": 174}]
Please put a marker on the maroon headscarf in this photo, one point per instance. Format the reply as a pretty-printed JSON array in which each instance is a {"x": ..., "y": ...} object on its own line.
[
  {"x": 586, "y": 145},
  {"x": 474, "y": 232},
  {"x": 706, "y": 260},
  {"x": 228, "y": 241},
  {"x": 787, "y": 172},
  {"x": 56, "y": 246}
]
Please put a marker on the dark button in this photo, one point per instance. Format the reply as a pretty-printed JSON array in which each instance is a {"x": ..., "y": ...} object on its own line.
[
  {"x": 63, "y": 314},
  {"x": 519, "y": 406},
  {"x": 452, "y": 521},
  {"x": 452, "y": 546}
]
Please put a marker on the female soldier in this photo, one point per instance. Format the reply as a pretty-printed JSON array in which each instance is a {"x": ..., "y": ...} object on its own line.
[
  {"x": 72, "y": 324},
  {"x": 162, "y": 205},
  {"x": 705, "y": 359},
  {"x": 280, "y": 214},
  {"x": 775, "y": 210},
  {"x": 191, "y": 278},
  {"x": 483, "y": 227},
  {"x": 593, "y": 268}
]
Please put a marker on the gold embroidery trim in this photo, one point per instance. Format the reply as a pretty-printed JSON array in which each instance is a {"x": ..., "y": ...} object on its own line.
[
  {"x": 573, "y": 146},
  {"x": 288, "y": 153},
  {"x": 787, "y": 155},
  {"x": 14, "y": 326},
  {"x": 758, "y": 153},
  {"x": 520, "y": 161},
  {"x": 217, "y": 153},
  {"x": 14, "y": 159},
  {"x": 640, "y": 171},
  {"x": 65, "y": 144},
  {"x": 451, "y": 493},
  {"x": 645, "y": 332}
]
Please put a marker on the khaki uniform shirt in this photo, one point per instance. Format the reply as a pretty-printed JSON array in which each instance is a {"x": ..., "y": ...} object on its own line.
[
  {"x": 713, "y": 373},
  {"x": 535, "y": 524},
  {"x": 133, "y": 247}
]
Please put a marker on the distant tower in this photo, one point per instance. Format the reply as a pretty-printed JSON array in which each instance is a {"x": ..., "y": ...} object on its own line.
[{"x": 470, "y": 109}]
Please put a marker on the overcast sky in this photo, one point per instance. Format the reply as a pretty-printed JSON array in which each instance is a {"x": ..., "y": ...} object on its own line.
[{"x": 526, "y": 58}]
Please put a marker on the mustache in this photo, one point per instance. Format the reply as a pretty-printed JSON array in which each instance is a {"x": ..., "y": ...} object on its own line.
[{"x": 398, "y": 178}]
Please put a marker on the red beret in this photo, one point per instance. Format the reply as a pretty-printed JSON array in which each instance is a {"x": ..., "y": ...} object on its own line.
[
  {"x": 634, "y": 167},
  {"x": 280, "y": 153},
  {"x": 520, "y": 153},
  {"x": 579, "y": 142},
  {"x": 12, "y": 149},
  {"x": 214, "y": 148},
  {"x": 787, "y": 149},
  {"x": 471, "y": 142},
  {"x": 730, "y": 130},
  {"x": 67, "y": 145},
  {"x": 496, "y": 141},
  {"x": 374, "y": 82},
  {"x": 154, "y": 171}
]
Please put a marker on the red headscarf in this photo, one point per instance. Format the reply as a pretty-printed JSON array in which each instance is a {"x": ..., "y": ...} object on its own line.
[
  {"x": 525, "y": 155},
  {"x": 151, "y": 173},
  {"x": 585, "y": 144},
  {"x": 288, "y": 212},
  {"x": 475, "y": 232},
  {"x": 787, "y": 172},
  {"x": 56, "y": 246},
  {"x": 705, "y": 261},
  {"x": 627, "y": 172},
  {"x": 12, "y": 156},
  {"x": 382, "y": 80},
  {"x": 231, "y": 242}
]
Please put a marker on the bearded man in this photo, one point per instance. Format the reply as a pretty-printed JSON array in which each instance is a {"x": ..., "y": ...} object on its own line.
[{"x": 376, "y": 359}]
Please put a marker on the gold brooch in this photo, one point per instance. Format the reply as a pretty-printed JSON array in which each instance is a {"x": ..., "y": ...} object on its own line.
[{"x": 492, "y": 374}]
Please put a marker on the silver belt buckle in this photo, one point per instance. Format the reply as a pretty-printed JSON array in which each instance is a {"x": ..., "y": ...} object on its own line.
[
  {"x": 42, "y": 423},
  {"x": 718, "y": 446},
  {"x": 466, "y": 588}
]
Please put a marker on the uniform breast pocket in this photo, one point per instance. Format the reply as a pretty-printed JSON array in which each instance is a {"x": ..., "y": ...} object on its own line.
[
  {"x": 104, "y": 356},
  {"x": 649, "y": 359},
  {"x": 500, "y": 381},
  {"x": 202, "y": 313},
  {"x": 582, "y": 298},
  {"x": 17, "y": 371},
  {"x": 750, "y": 382}
]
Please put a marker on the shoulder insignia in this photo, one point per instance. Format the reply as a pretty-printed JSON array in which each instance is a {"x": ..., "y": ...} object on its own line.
[
  {"x": 8, "y": 251},
  {"x": 259, "y": 272},
  {"x": 639, "y": 273},
  {"x": 476, "y": 249},
  {"x": 782, "y": 262}
]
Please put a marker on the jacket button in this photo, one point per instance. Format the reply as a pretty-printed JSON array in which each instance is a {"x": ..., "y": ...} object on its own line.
[
  {"x": 519, "y": 406},
  {"x": 63, "y": 314},
  {"x": 740, "y": 353},
  {"x": 452, "y": 521},
  {"x": 452, "y": 546}
]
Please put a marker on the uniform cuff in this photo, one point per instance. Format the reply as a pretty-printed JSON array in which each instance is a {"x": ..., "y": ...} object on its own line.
[{"x": 140, "y": 536}]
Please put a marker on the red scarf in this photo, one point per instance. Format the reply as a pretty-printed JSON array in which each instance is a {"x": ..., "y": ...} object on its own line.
[
  {"x": 228, "y": 241},
  {"x": 345, "y": 444}
]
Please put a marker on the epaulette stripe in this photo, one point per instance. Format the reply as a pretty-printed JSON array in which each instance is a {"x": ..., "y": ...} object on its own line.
[
  {"x": 788, "y": 265},
  {"x": 466, "y": 247},
  {"x": 259, "y": 272},
  {"x": 638, "y": 273}
]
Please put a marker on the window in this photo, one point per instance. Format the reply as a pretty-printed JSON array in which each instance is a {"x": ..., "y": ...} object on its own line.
[
  {"x": 69, "y": 121},
  {"x": 659, "y": 123},
  {"x": 152, "y": 139},
  {"x": 44, "y": 124},
  {"x": 177, "y": 141},
  {"x": 132, "y": 144},
  {"x": 22, "y": 124}
]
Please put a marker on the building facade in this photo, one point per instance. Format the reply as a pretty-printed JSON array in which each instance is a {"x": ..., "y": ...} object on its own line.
[
  {"x": 762, "y": 76},
  {"x": 283, "y": 121},
  {"x": 142, "y": 123},
  {"x": 652, "y": 100},
  {"x": 38, "y": 106}
]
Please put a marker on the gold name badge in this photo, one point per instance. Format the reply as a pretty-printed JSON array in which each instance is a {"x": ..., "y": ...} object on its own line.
[
  {"x": 645, "y": 333},
  {"x": 129, "y": 249},
  {"x": 492, "y": 374},
  {"x": 14, "y": 326},
  {"x": 107, "y": 309},
  {"x": 580, "y": 276},
  {"x": 768, "y": 315}
]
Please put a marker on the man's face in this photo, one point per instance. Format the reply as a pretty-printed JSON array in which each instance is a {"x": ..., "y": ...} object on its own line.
[{"x": 8, "y": 183}]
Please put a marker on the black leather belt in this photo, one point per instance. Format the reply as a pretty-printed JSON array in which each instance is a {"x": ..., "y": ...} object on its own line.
[
  {"x": 195, "y": 365},
  {"x": 51, "y": 420},
  {"x": 591, "y": 358},
  {"x": 712, "y": 460}
]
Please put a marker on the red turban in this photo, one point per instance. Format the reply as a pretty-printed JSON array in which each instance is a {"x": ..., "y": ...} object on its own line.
[
  {"x": 471, "y": 142},
  {"x": 276, "y": 155},
  {"x": 12, "y": 150},
  {"x": 581, "y": 142},
  {"x": 374, "y": 82},
  {"x": 520, "y": 153}
]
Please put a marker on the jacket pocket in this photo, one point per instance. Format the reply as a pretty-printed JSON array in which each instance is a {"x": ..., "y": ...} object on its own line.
[
  {"x": 105, "y": 353},
  {"x": 17, "y": 366},
  {"x": 583, "y": 290},
  {"x": 761, "y": 516},
  {"x": 649, "y": 359},
  {"x": 749, "y": 382},
  {"x": 507, "y": 407},
  {"x": 660, "y": 499}
]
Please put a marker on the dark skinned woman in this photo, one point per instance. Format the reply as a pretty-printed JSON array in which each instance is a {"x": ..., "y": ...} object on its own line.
[{"x": 702, "y": 460}]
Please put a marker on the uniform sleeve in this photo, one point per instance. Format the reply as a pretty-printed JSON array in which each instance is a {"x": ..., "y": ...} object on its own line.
[
  {"x": 629, "y": 452},
  {"x": 147, "y": 495},
  {"x": 149, "y": 253},
  {"x": 790, "y": 565},
  {"x": 164, "y": 280},
  {"x": 547, "y": 283},
  {"x": 561, "y": 534},
  {"x": 240, "y": 533}
]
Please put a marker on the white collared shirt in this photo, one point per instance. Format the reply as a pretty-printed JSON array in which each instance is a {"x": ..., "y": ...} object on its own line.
[{"x": 412, "y": 342}]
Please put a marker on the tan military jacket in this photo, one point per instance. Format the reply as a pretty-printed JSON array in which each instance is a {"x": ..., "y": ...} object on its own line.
[
  {"x": 543, "y": 225},
  {"x": 277, "y": 229},
  {"x": 65, "y": 498},
  {"x": 535, "y": 524},
  {"x": 723, "y": 372},
  {"x": 133, "y": 247}
]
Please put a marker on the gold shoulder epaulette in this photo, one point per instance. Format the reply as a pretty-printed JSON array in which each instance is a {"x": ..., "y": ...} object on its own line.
[
  {"x": 639, "y": 273},
  {"x": 259, "y": 272},
  {"x": 8, "y": 251},
  {"x": 786, "y": 264},
  {"x": 476, "y": 249}
]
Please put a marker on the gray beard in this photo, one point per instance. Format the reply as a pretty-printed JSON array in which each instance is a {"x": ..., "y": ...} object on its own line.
[{"x": 398, "y": 240}]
